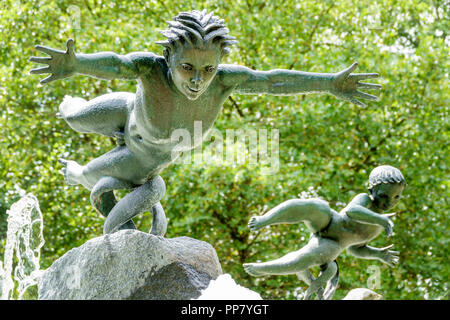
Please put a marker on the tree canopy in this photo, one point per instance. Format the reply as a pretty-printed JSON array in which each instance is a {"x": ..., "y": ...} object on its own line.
[{"x": 326, "y": 146}]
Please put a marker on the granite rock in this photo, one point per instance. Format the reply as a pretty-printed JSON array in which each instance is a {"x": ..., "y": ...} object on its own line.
[{"x": 131, "y": 264}]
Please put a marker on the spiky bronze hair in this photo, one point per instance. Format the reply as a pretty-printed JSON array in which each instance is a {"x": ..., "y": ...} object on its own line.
[
  {"x": 198, "y": 29},
  {"x": 384, "y": 175}
]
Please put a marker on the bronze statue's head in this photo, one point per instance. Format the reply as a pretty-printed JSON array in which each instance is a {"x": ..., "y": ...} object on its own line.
[
  {"x": 386, "y": 183},
  {"x": 196, "y": 42}
]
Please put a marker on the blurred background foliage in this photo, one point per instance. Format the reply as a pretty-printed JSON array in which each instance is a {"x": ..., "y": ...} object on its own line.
[{"x": 326, "y": 146}]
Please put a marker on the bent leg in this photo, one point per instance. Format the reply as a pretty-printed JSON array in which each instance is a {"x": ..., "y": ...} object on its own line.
[
  {"x": 308, "y": 278},
  {"x": 316, "y": 286},
  {"x": 315, "y": 213},
  {"x": 139, "y": 200},
  {"x": 106, "y": 114},
  {"x": 119, "y": 163},
  {"x": 103, "y": 199},
  {"x": 159, "y": 224},
  {"x": 109, "y": 200},
  {"x": 332, "y": 285}
]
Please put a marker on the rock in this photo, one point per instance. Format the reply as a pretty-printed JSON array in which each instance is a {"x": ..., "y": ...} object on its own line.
[
  {"x": 362, "y": 294},
  {"x": 130, "y": 264}
]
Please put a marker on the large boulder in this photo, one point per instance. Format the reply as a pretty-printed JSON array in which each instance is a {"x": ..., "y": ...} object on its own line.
[{"x": 130, "y": 264}]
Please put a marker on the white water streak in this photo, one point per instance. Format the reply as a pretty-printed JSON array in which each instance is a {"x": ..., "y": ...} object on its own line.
[{"x": 24, "y": 240}]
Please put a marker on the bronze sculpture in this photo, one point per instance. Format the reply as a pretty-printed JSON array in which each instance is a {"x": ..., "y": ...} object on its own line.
[
  {"x": 361, "y": 221},
  {"x": 186, "y": 84}
]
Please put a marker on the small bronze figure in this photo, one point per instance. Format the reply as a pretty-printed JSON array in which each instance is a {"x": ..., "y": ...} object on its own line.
[{"x": 361, "y": 221}]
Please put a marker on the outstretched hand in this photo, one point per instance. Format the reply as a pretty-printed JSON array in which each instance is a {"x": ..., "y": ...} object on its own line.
[
  {"x": 346, "y": 85},
  {"x": 61, "y": 64},
  {"x": 390, "y": 257}
]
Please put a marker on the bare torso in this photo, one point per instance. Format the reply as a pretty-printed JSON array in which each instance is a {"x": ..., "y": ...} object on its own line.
[
  {"x": 348, "y": 232},
  {"x": 159, "y": 109}
]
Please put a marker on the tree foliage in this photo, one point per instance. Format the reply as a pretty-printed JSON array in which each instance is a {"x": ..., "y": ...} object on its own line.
[{"x": 324, "y": 144}]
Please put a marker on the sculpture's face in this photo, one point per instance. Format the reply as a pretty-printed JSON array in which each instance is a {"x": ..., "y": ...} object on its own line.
[
  {"x": 193, "y": 69},
  {"x": 386, "y": 196}
]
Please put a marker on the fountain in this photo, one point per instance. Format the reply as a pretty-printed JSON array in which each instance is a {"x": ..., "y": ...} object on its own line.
[{"x": 20, "y": 269}]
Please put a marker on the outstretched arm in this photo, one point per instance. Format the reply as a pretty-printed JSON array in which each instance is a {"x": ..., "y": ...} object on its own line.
[
  {"x": 103, "y": 65},
  {"x": 343, "y": 84},
  {"x": 384, "y": 255}
]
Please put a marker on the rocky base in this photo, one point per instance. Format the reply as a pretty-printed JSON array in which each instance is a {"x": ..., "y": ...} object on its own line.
[{"x": 130, "y": 264}]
